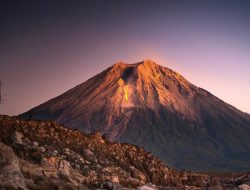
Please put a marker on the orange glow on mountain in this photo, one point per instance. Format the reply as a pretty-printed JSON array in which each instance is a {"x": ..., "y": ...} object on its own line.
[{"x": 126, "y": 93}]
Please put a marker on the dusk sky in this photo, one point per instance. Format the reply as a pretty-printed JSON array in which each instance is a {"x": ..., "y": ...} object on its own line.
[{"x": 48, "y": 47}]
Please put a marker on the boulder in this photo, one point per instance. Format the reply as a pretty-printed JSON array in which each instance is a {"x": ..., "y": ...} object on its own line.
[
  {"x": 115, "y": 179},
  {"x": 244, "y": 187},
  {"x": 35, "y": 144},
  {"x": 51, "y": 161},
  {"x": 137, "y": 174},
  {"x": 31, "y": 170},
  {"x": 42, "y": 149},
  {"x": 17, "y": 137},
  {"x": 110, "y": 185},
  {"x": 89, "y": 155},
  {"x": 11, "y": 176},
  {"x": 64, "y": 169},
  {"x": 66, "y": 150},
  {"x": 133, "y": 182}
]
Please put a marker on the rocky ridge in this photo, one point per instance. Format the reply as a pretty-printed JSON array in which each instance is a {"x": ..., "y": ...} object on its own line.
[{"x": 46, "y": 155}]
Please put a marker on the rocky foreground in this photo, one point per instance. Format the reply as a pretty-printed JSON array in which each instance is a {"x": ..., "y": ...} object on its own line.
[{"x": 46, "y": 155}]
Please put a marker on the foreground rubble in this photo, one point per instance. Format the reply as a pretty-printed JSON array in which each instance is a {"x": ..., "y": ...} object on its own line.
[{"x": 46, "y": 155}]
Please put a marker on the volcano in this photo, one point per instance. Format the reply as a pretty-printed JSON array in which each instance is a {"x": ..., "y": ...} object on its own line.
[{"x": 155, "y": 107}]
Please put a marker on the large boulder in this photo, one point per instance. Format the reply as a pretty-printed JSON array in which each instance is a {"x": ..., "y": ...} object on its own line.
[
  {"x": 11, "y": 176},
  {"x": 64, "y": 170}
]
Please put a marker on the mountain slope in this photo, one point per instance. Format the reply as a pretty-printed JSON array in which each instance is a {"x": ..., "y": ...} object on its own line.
[{"x": 154, "y": 107}]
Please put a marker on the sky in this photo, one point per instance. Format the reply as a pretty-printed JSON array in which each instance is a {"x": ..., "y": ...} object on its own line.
[{"x": 50, "y": 46}]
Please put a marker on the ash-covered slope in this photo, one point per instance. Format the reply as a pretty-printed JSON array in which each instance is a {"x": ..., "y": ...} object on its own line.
[{"x": 154, "y": 107}]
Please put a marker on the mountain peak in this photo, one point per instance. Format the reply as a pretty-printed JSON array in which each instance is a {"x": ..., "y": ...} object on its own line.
[
  {"x": 155, "y": 107},
  {"x": 148, "y": 84},
  {"x": 146, "y": 63},
  {"x": 146, "y": 69}
]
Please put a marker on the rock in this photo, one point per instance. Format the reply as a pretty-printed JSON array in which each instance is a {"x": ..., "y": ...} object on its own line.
[
  {"x": 30, "y": 184},
  {"x": 67, "y": 186},
  {"x": 116, "y": 186},
  {"x": 137, "y": 174},
  {"x": 77, "y": 177},
  {"x": 115, "y": 179},
  {"x": 146, "y": 187},
  {"x": 17, "y": 137},
  {"x": 35, "y": 144},
  {"x": 98, "y": 167},
  {"x": 244, "y": 187},
  {"x": 89, "y": 155},
  {"x": 32, "y": 170},
  {"x": 27, "y": 140},
  {"x": 133, "y": 182},
  {"x": 111, "y": 186},
  {"x": 87, "y": 162},
  {"x": 11, "y": 176},
  {"x": 42, "y": 149},
  {"x": 77, "y": 166},
  {"x": 50, "y": 161},
  {"x": 49, "y": 167},
  {"x": 107, "y": 185},
  {"x": 66, "y": 150},
  {"x": 64, "y": 169}
]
